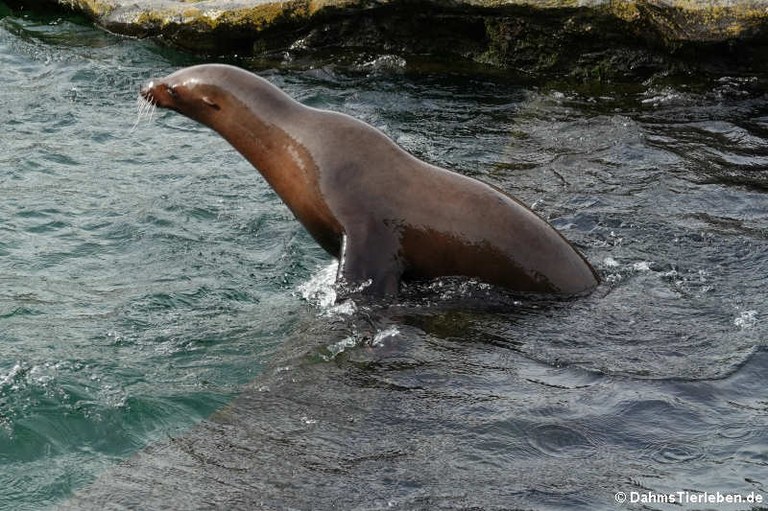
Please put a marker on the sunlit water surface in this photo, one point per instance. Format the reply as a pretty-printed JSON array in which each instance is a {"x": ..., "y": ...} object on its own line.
[{"x": 149, "y": 277}]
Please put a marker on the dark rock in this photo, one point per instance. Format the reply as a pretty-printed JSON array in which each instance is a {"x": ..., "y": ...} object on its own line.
[{"x": 586, "y": 39}]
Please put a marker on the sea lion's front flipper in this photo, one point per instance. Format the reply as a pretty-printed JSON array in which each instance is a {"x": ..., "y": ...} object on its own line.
[{"x": 370, "y": 263}]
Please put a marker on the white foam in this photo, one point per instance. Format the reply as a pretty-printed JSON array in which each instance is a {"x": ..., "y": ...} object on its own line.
[
  {"x": 339, "y": 347},
  {"x": 662, "y": 97},
  {"x": 320, "y": 290},
  {"x": 11, "y": 377},
  {"x": 381, "y": 336},
  {"x": 746, "y": 319},
  {"x": 642, "y": 266}
]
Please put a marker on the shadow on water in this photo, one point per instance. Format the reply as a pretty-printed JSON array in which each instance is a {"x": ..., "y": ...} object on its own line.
[
  {"x": 176, "y": 324},
  {"x": 425, "y": 411}
]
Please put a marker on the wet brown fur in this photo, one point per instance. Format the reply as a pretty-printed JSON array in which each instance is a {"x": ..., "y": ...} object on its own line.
[{"x": 385, "y": 214}]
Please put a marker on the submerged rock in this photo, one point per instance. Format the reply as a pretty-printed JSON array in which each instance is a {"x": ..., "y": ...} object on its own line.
[{"x": 593, "y": 37}]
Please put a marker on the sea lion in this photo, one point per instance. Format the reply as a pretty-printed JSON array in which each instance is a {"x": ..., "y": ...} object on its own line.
[{"x": 383, "y": 213}]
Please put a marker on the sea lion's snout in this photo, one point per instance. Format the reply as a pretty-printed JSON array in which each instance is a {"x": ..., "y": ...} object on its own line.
[
  {"x": 146, "y": 91},
  {"x": 158, "y": 93}
]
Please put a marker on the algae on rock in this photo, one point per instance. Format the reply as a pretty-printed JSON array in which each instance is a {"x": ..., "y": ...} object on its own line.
[{"x": 583, "y": 37}]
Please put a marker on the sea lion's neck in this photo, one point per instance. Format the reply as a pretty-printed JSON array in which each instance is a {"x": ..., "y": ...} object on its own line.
[
  {"x": 255, "y": 129},
  {"x": 258, "y": 124}
]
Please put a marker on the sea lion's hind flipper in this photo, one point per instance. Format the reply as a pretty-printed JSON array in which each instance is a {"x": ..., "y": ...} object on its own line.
[{"x": 369, "y": 265}]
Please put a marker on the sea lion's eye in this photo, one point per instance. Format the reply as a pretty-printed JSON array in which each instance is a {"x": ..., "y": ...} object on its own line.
[{"x": 171, "y": 90}]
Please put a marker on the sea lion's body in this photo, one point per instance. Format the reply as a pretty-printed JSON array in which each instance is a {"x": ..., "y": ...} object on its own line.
[{"x": 383, "y": 213}]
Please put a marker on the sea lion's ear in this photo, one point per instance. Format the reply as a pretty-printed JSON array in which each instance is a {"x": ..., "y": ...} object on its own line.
[{"x": 208, "y": 101}]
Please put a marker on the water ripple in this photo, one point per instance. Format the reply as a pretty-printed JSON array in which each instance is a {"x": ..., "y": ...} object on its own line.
[
  {"x": 559, "y": 440},
  {"x": 149, "y": 274}
]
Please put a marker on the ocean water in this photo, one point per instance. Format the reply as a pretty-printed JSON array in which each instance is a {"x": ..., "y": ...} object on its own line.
[{"x": 169, "y": 337}]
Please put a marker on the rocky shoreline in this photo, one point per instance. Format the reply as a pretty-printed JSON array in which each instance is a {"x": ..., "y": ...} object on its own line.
[{"x": 592, "y": 39}]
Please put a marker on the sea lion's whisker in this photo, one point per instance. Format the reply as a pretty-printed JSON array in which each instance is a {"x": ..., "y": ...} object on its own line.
[
  {"x": 139, "y": 113},
  {"x": 146, "y": 110},
  {"x": 152, "y": 108}
]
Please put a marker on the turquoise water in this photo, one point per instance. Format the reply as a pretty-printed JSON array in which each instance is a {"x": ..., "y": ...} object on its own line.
[
  {"x": 138, "y": 290},
  {"x": 149, "y": 278}
]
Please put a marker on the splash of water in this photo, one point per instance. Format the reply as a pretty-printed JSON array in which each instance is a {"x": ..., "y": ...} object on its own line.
[{"x": 320, "y": 290}]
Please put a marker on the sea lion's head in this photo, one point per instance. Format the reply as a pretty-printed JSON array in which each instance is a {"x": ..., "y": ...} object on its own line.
[
  {"x": 194, "y": 92},
  {"x": 218, "y": 95}
]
